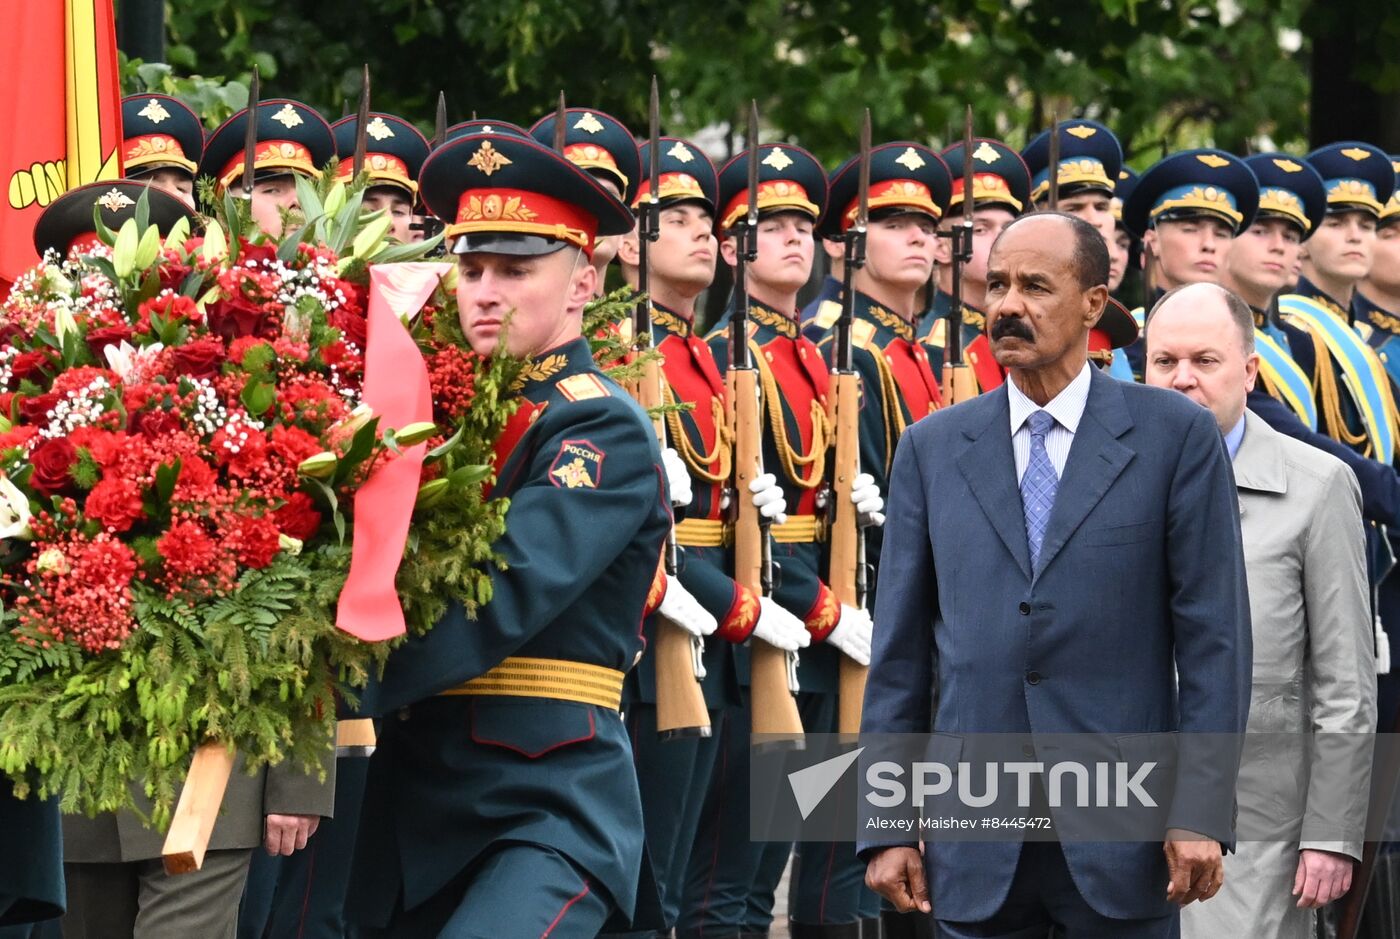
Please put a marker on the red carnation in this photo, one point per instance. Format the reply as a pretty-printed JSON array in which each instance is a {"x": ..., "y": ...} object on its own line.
[
  {"x": 255, "y": 541},
  {"x": 199, "y": 359},
  {"x": 172, "y": 274},
  {"x": 187, "y": 551},
  {"x": 115, "y": 503},
  {"x": 237, "y": 316},
  {"x": 240, "y": 347},
  {"x": 36, "y": 410},
  {"x": 17, "y": 437},
  {"x": 197, "y": 479},
  {"x": 102, "y": 445},
  {"x": 52, "y": 459},
  {"x": 27, "y": 365},
  {"x": 299, "y": 518},
  {"x": 100, "y": 339},
  {"x": 241, "y": 448},
  {"x": 251, "y": 254}
]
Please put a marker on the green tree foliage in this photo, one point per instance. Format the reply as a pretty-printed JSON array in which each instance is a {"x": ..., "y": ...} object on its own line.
[{"x": 1166, "y": 73}]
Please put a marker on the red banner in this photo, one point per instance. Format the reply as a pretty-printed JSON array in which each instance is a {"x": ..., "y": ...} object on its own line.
[{"x": 60, "y": 105}]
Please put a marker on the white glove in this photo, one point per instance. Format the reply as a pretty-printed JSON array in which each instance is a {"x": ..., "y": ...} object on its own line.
[
  {"x": 768, "y": 498},
  {"x": 677, "y": 477},
  {"x": 852, "y": 634},
  {"x": 866, "y": 497},
  {"x": 681, "y": 608},
  {"x": 779, "y": 628}
]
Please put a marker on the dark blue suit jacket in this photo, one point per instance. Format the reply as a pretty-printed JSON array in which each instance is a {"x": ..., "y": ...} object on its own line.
[{"x": 1141, "y": 573}]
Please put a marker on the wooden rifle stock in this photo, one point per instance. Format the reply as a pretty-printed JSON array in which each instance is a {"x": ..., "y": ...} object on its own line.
[
  {"x": 847, "y": 560},
  {"x": 680, "y": 701},
  {"x": 771, "y": 695},
  {"x": 198, "y": 809}
]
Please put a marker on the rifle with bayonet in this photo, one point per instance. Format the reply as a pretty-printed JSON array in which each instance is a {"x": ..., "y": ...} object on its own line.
[
  {"x": 361, "y": 127},
  {"x": 958, "y": 381},
  {"x": 250, "y": 139},
  {"x": 1053, "y": 197},
  {"x": 680, "y": 702},
  {"x": 431, "y": 226},
  {"x": 773, "y": 672},
  {"x": 847, "y": 574}
]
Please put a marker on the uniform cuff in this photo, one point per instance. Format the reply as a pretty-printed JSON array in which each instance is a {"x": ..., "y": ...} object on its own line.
[
  {"x": 825, "y": 613},
  {"x": 742, "y": 616},
  {"x": 657, "y": 591}
]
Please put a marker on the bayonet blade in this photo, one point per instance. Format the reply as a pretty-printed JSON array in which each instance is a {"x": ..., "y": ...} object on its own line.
[
  {"x": 654, "y": 153},
  {"x": 362, "y": 124},
  {"x": 559, "y": 131},
  {"x": 863, "y": 205},
  {"x": 752, "y": 141},
  {"x": 1054, "y": 172},
  {"x": 440, "y": 121},
  {"x": 250, "y": 136},
  {"x": 968, "y": 174}
]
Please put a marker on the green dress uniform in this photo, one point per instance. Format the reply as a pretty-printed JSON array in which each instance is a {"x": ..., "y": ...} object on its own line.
[
  {"x": 502, "y": 799},
  {"x": 304, "y": 895},
  {"x": 731, "y": 880},
  {"x": 673, "y": 774},
  {"x": 31, "y": 869}
]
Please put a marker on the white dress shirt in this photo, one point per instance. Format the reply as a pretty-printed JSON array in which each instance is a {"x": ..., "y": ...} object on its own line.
[{"x": 1066, "y": 408}]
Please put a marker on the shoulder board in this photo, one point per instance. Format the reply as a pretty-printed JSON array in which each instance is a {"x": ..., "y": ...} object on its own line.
[
  {"x": 828, "y": 313},
  {"x": 582, "y": 387},
  {"x": 940, "y": 330},
  {"x": 861, "y": 333}
]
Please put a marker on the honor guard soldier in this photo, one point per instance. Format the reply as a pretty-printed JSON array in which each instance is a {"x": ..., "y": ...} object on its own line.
[
  {"x": 1090, "y": 159},
  {"x": 1001, "y": 186},
  {"x": 731, "y": 880},
  {"x": 1123, "y": 250},
  {"x": 600, "y": 144},
  {"x": 394, "y": 153},
  {"x": 292, "y": 140},
  {"x": 502, "y": 799},
  {"x": 702, "y": 597},
  {"x": 1186, "y": 209},
  {"x": 909, "y": 186},
  {"x": 31, "y": 872},
  {"x": 163, "y": 143},
  {"x": 67, "y": 227}
]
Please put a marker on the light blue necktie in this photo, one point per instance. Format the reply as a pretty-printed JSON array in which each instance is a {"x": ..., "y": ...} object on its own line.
[{"x": 1038, "y": 484}]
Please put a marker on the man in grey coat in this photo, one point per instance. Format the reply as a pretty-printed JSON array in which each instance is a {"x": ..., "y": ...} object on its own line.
[{"x": 1304, "y": 782}]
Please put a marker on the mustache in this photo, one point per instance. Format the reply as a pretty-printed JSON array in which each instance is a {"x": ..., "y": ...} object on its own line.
[{"x": 1012, "y": 327}]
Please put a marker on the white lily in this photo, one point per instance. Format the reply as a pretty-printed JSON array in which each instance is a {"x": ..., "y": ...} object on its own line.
[
  {"x": 14, "y": 510},
  {"x": 124, "y": 359},
  {"x": 63, "y": 322}
]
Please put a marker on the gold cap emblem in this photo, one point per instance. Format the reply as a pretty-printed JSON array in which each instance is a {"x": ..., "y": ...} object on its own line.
[
  {"x": 680, "y": 152},
  {"x": 1213, "y": 161},
  {"x": 114, "y": 200},
  {"x": 1082, "y": 132},
  {"x": 1395, "y": 165},
  {"x": 288, "y": 117},
  {"x": 378, "y": 129},
  {"x": 154, "y": 111},
  {"x": 1356, "y": 153},
  {"x": 589, "y": 124},
  {"x": 910, "y": 158},
  {"x": 1288, "y": 166},
  {"x": 488, "y": 159},
  {"x": 777, "y": 159},
  {"x": 985, "y": 152}
]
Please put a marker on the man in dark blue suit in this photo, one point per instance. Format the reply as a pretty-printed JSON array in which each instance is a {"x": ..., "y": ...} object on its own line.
[{"x": 1062, "y": 556}]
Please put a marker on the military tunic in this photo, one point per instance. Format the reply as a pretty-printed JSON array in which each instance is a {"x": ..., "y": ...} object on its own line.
[
  {"x": 466, "y": 770},
  {"x": 31, "y": 870}
]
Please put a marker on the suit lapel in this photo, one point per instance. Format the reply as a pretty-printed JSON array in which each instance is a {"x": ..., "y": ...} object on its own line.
[
  {"x": 989, "y": 467},
  {"x": 1096, "y": 459}
]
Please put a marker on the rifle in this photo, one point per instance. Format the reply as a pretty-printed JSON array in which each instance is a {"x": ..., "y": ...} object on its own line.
[
  {"x": 250, "y": 138},
  {"x": 848, "y": 569},
  {"x": 432, "y": 226},
  {"x": 680, "y": 702},
  {"x": 958, "y": 382},
  {"x": 773, "y": 672},
  {"x": 361, "y": 127}
]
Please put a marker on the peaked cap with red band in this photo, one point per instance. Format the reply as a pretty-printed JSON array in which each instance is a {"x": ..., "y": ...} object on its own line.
[
  {"x": 68, "y": 223},
  {"x": 789, "y": 180},
  {"x": 599, "y": 143},
  {"x": 394, "y": 150},
  {"x": 502, "y": 194},
  {"x": 687, "y": 175},
  {"x": 904, "y": 177},
  {"x": 292, "y": 138},
  {"x": 1000, "y": 177},
  {"x": 160, "y": 133}
]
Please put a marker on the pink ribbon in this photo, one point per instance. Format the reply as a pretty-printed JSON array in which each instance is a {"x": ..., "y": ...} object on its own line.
[{"x": 396, "y": 388}]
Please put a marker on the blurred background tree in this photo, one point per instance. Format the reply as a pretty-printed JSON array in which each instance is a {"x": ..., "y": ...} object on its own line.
[{"x": 1239, "y": 74}]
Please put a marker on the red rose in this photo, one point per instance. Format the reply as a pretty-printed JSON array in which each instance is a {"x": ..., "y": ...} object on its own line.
[
  {"x": 52, "y": 459},
  {"x": 155, "y": 423},
  {"x": 100, "y": 339},
  {"x": 256, "y": 541},
  {"x": 352, "y": 327},
  {"x": 115, "y": 503},
  {"x": 334, "y": 353},
  {"x": 298, "y": 518},
  {"x": 199, "y": 359},
  {"x": 235, "y": 317},
  {"x": 35, "y": 410},
  {"x": 172, "y": 274},
  {"x": 256, "y": 254},
  {"x": 27, "y": 366},
  {"x": 7, "y": 399},
  {"x": 12, "y": 334}
]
